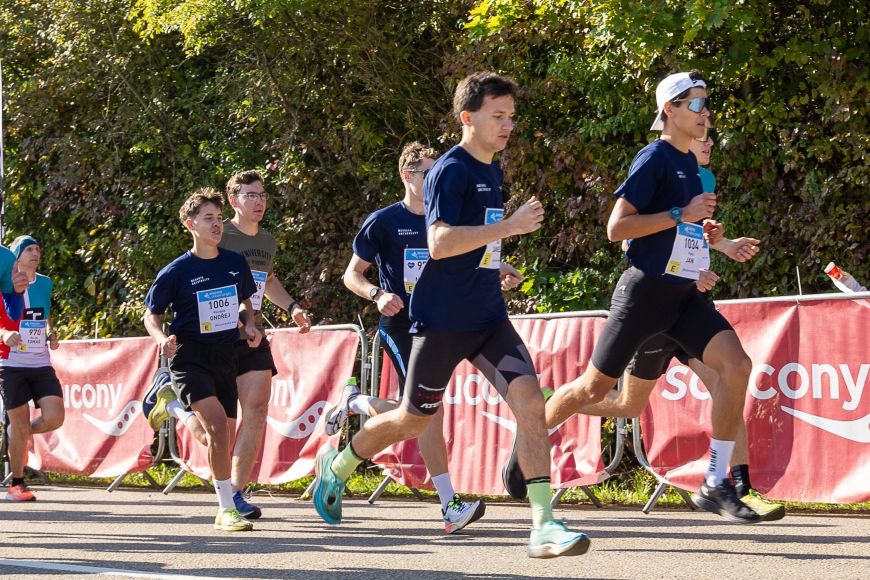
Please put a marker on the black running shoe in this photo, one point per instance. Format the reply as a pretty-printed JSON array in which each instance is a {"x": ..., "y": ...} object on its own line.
[
  {"x": 723, "y": 500},
  {"x": 512, "y": 476}
]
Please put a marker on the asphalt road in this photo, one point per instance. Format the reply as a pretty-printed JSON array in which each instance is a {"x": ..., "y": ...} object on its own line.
[{"x": 75, "y": 532}]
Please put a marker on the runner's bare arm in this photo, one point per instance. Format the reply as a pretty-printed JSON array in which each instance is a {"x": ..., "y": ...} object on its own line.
[
  {"x": 154, "y": 326},
  {"x": 626, "y": 224},
  {"x": 246, "y": 316},
  {"x": 446, "y": 241},
  {"x": 389, "y": 304},
  {"x": 278, "y": 295}
]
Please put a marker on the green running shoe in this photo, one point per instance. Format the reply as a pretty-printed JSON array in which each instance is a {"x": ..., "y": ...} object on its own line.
[
  {"x": 769, "y": 511},
  {"x": 230, "y": 520},
  {"x": 328, "y": 488},
  {"x": 553, "y": 539},
  {"x": 159, "y": 414}
]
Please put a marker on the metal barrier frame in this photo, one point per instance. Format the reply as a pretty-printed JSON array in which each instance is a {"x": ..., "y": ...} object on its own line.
[
  {"x": 637, "y": 436},
  {"x": 621, "y": 431}
]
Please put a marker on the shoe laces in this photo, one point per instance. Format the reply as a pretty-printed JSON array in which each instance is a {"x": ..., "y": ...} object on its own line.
[{"x": 456, "y": 503}]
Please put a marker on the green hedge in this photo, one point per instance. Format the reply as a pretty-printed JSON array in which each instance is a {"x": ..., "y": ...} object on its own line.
[{"x": 116, "y": 110}]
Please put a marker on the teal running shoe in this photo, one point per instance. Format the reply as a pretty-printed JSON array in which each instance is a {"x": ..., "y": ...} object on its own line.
[
  {"x": 554, "y": 539},
  {"x": 328, "y": 488}
]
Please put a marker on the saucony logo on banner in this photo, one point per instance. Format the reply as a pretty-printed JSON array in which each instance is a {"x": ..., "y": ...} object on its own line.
[
  {"x": 283, "y": 393},
  {"x": 120, "y": 424},
  {"x": 794, "y": 381}
]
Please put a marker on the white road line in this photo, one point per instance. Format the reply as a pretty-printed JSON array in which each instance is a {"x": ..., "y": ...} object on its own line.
[{"x": 97, "y": 570}]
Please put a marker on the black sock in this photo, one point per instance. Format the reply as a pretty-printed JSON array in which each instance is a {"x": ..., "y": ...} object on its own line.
[
  {"x": 17, "y": 481},
  {"x": 740, "y": 476}
]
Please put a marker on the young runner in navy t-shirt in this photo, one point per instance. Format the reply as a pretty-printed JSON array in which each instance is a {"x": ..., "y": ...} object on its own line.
[
  {"x": 208, "y": 290},
  {"x": 394, "y": 238},
  {"x": 660, "y": 208},
  {"x": 458, "y": 313}
]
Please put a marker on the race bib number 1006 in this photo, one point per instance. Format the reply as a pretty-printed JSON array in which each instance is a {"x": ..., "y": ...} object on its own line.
[{"x": 218, "y": 309}]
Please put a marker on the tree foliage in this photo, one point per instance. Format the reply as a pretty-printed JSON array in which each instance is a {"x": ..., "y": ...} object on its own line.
[{"x": 116, "y": 110}]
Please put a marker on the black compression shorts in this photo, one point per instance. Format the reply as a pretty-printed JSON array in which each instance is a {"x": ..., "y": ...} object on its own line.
[
  {"x": 201, "y": 370},
  {"x": 497, "y": 352},
  {"x": 396, "y": 340},
  {"x": 644, "y": 306}
]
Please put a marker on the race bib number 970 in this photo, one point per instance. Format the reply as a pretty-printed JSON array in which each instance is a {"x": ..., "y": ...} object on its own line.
[
  {"x": 415, "y": 261},
  {"x": 32, "y": 336}
]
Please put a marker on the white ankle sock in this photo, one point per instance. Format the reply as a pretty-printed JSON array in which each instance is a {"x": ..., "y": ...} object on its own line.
[
  {"x": 444, "y": 488},
  {"x": 224, "y": 490},
  {"x": 720, "y": 456},
  {"x": 360, "y": 405},
  {"x": 178, "y": 411}
]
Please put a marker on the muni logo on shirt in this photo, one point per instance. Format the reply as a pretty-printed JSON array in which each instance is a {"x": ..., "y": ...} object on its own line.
[{"x": 199, "y": 280}]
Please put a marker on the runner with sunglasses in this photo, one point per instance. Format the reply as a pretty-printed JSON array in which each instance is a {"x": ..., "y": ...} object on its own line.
[
  {"x": 660, "y": 207},
  {"x": 394, "y": 238}
]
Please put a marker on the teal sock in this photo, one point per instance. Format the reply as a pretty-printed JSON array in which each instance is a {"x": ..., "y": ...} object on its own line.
[
  {"x": 539, "y": 499},
  {"x": 345, "y": 463}
]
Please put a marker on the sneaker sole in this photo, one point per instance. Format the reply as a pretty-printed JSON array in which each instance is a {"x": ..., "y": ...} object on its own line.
[
  {"x": 15, "y": 500},
  {"x": 254, "y": 515},
  {"x": 773, "y": 515},
  {"x": 516, "y": 491},
  {"x": 577, "y": 548},
  {"x": 712, "y": 507},
  {"x": 221, "y": 528},
  {"x": 452, "y": 528},
  {"x": 318, "y": 482}
]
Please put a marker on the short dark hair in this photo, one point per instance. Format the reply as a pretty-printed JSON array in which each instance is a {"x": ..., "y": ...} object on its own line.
[
  {"x": 413, "y": 153},
  {"x": 197, "y": 199},
  {"x": 241, "y": 178},
  {"x": 695, "y": 75},
  {"x": 474, "y": 88}
]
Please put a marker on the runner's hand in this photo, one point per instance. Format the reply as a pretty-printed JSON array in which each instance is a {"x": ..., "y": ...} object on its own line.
[
  {"x": 510, "y": 277},
  {"x": 19, "y": 279},
  {"x": 741, "y": 249},
  {"x": 53, "y": 342},
  {"x": 254, "y": 335},
  {"x": 707, "y": 280},
  {"x": 389, "y": 304},
  {"x": 714, "y": 232},
  {"x": 527, "y": 218},
  {"x": 701, "y": 207},
  {"x": 300, "y": 318},
  {"x": 11, "y": 338},
  {"x": 169, "y": 346}
]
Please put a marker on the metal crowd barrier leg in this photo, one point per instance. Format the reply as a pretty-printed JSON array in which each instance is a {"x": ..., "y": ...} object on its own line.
[
  {"x": 380, "y": 489},
  {"x": 173, "y": 482},
  {"x": 663, "y": 483},
  {"x": 654, "y": 498}
]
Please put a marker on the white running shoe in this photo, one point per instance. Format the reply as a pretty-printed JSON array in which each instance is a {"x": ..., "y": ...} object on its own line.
[
  {"x": 336, "y": 416},
  {"x": 460, "y": 513}
]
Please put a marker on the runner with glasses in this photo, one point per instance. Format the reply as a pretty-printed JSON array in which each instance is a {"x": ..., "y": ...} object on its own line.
[
  {"x": 660, "y": 207},
  {"x": 394, "y": 238}
]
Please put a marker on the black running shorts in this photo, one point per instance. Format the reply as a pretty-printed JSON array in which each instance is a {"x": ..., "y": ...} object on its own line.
[
  {"x": 497, "y": 352},
  {"x": 654, "y": 356},
  {"x": 396, "y": 340},
  {"x": 644, "y": 306},
  {"x": 20, "y": 385},
  {"x": 255, "y": 359},
  {"x": 200, "y": 371}
]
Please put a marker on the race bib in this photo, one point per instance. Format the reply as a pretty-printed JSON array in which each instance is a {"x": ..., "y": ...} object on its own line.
[
  {"x": 690, "y": 252},
  {"x": 492, "y": 254},
  {"x": 415, "y": 260},
  {"x": 218, "y": 309},
  {"x": 260, "y": 283},
  {"x": 32, "y": 336}
]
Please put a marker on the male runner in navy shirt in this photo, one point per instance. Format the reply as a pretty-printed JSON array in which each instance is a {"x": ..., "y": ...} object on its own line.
[
  {"x": 458, "y": 313},
  {"x": 208, "y": 290},
  {"x": 660, "y": 207},
  {"x": 394, "y": 238}
]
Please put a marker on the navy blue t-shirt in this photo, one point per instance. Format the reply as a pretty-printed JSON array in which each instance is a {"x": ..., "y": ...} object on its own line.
[
  {"x": 455, "y": 293},
  {"x": 383, "y": 239},
  {"x": 198, "y": 292},
  {"x": 661, "y": 177}
]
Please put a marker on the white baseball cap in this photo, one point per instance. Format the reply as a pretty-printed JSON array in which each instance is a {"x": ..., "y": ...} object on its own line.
[{"x": 669, "y": 88}]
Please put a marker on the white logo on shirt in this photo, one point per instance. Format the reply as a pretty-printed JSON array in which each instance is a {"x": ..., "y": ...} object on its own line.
[
  {"x": 406, "y": 232},
  {"x": 483, "y": 187},
  {"x": 680, "y": 174},
  {"x": 198, "y": 280},
  {"x": 233, "y": 273}
]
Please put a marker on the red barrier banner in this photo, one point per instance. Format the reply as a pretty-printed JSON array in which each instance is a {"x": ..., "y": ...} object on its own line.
[
  {"x": 104, "y": 433},
  {"x": 479, "y": 426},
  {"x": 807, "y": 417},
  {"x": 312, "y": 370}
]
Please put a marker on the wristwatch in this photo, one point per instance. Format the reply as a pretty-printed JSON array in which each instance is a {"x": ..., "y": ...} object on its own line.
[
  {"x": 676, "y": 214},
  {"x": 373, "y": 293}
]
